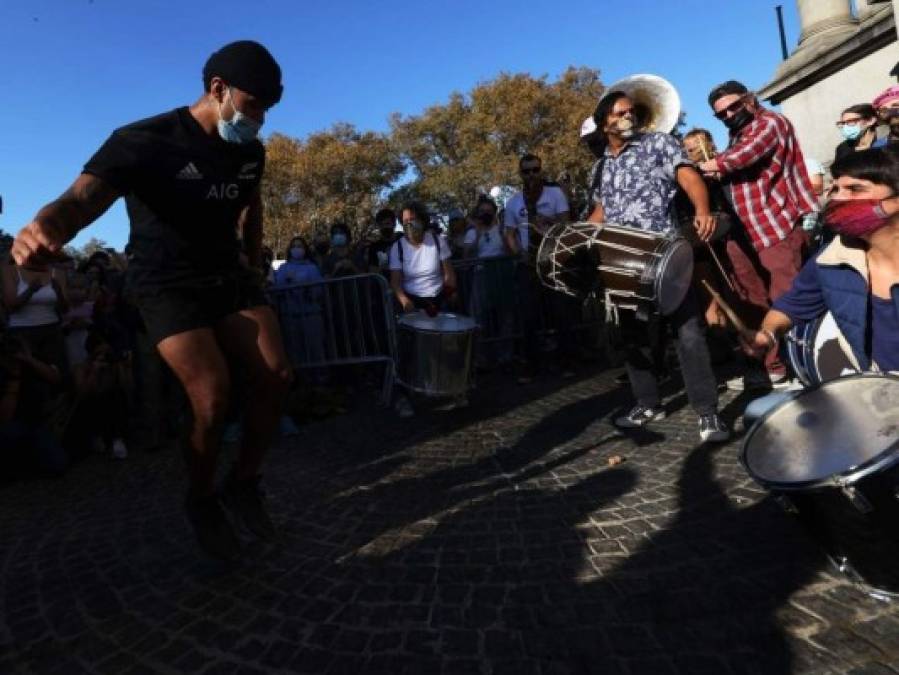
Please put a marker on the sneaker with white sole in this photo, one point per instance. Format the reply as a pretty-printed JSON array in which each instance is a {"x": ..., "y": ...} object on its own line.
[
  {"x": 640, "y": 416},
  {"x": 712, "y": 429}
]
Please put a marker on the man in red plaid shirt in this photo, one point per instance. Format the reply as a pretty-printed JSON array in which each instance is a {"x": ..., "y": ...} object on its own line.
[{"x": 771, "y": 191}]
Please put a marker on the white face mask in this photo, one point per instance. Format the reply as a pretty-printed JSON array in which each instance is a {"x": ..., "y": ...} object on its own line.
[
  {"x": 297, "y": 252},
  {"x": 240, "y": 128}
]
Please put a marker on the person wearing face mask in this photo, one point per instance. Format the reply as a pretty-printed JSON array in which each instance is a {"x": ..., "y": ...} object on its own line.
[
  {"x": 379, "y": 251},
  {"x": 856, "y": 277},
  {"x": 300, "y": 307},
  {"x": 858, "y": 127},
  {"x": 485, "y": 239},
  {"x": 490, "y": 300},
  {"x": 190, "y": 178},
  {"x": 298, "y": 267},
  {"x": 634, "y": 185},
  {"x": 338, "y": 262},
  {"x": 765, "y": 173},
  {"x": 887, "y": 106},
  {"x": 421, "y": 274}
]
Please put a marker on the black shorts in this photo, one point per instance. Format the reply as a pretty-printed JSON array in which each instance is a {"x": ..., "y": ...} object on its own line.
[{"x": 171, "y": 310}]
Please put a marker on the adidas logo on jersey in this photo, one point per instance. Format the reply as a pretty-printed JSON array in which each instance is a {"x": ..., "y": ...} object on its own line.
[
  {"x": 244, "y": 173},
  {"x": 189, "y": 172}
]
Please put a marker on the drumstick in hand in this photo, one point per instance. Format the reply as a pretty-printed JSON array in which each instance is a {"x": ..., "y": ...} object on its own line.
[{"x": 731, "y": 315}]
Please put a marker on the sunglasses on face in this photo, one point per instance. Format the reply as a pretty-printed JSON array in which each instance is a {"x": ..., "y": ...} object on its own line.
[
  {"x": 532, "y": 171},
  {"x": 732, "y": 109}
]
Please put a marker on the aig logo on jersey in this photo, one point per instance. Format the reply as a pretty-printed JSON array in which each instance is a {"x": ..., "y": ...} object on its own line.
[{"x": 223, "y": 191}]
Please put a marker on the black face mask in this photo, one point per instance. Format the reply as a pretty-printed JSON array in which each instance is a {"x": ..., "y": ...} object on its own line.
[
  {"x": 738, "y": 120},
  {"x": 485, "y": 218},
  {"x": 322, "y": 248},
  {"x": 386, "y": 233}
]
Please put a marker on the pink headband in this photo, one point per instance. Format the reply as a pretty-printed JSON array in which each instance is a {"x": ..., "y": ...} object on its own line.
[{"x": 886, "y": 96}]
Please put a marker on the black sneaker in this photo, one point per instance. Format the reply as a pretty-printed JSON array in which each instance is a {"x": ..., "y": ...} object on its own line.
[
  {"x": 244, "y": 499},
  {"x": 712, "y": 429},
  {"x": 214, "y": 533},
  {"x": 640, "y": 416}
]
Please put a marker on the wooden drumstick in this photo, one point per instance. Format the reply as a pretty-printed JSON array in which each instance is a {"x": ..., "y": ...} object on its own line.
[
  {"x": 731, "y": 315},
  {"x": 720, "y": 267}
]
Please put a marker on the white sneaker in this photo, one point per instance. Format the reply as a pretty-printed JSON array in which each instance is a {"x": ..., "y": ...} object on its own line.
[
  {"x": 640, "y": 416},
  {"x": 119, "y": 451},
  {"x": 712, "y": 429}
]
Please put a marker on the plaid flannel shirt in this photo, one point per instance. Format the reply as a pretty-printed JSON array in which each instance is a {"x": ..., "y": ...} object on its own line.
[{"x": 765, "y": 171}]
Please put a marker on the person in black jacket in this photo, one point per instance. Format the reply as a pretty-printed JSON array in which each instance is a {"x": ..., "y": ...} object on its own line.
[{"x": 858, "y": 126}]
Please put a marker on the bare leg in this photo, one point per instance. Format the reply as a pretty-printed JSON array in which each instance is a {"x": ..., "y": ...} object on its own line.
[
  {"x": 252, "y": 338},
  {"x": 195, "y": 358}
]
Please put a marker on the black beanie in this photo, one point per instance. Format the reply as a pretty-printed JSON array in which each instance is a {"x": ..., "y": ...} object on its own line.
[{"x": 248, "y": 66}]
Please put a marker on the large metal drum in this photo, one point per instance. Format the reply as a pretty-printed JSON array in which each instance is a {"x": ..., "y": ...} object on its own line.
[
  {"x": 633, "y": 268},
  {"x": 434, "y": 353},
  {"x": 830, "y": 456}
]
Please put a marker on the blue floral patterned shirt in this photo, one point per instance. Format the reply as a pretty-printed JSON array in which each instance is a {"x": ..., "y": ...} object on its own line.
[{"x": 638, "y": 186}]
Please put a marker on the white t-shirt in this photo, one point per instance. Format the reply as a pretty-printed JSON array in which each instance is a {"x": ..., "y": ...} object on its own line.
[
  {"x": 421, "y": 266},
  {"x": 552, "y": 202},
  {"x": 490, "y": 243}
]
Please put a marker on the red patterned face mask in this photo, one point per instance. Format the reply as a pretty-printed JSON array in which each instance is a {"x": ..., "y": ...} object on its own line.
[{"x": 855, "y": 217}]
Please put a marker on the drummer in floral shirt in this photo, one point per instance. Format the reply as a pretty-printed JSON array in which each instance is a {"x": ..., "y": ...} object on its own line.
[{"x": 634, "y": 183}]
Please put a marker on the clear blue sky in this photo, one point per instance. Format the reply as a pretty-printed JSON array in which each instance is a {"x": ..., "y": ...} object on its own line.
[{"x": 73, "y": 70}]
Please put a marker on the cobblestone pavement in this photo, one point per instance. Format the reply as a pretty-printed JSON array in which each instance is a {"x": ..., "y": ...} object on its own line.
[{"x": 497, "y": 539}]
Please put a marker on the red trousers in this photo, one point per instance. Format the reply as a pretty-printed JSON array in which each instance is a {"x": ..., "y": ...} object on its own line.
[{"x": 760, "y": 277}]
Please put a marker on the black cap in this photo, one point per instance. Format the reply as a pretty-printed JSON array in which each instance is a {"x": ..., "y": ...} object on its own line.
[
  {"x": 725, "y": 89},
  {"x": 248, "y": 66}
]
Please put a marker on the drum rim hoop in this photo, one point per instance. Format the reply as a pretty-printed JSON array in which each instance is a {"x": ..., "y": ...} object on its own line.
[
  {"x": 662, "y": 264},
  {"x": 404, "y": 321},
  {"x": 850, "y": 476}
]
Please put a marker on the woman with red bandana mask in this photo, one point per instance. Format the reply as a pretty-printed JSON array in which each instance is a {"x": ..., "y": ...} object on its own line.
[{"x": 855, "y": 277}]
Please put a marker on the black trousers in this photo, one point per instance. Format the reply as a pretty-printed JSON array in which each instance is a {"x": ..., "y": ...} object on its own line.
[{"x": 692, "y": 353}]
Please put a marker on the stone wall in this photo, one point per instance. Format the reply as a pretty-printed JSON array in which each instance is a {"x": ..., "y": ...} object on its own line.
[{"x": 814, "y": 110}]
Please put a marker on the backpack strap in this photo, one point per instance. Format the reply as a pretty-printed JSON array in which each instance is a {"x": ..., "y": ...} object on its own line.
[{"x": 399, "y": 248}]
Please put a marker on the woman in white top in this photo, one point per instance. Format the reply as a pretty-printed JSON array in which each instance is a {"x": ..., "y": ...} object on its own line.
[
  {"x": 34, "y": 297},
  {"x": 485, "y": 239},
  {"x": 420, "y": 271}
]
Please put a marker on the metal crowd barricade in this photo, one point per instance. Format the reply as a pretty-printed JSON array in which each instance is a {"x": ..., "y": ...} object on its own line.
[
  {"x": 489, "y": 292},
  {"x": 339, "y": 322}
]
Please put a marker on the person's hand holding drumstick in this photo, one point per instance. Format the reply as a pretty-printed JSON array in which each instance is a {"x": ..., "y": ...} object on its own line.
[{"x": 755, "y": 343}]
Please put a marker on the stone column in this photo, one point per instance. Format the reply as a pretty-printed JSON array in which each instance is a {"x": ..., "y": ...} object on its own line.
[{"x": 822, "y": 20}]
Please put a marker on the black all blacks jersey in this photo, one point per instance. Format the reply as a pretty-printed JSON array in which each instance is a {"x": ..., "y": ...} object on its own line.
[{"x": 184, "y": 191}]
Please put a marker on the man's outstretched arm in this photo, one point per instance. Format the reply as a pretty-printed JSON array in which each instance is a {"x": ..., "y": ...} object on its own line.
[{"x": 57, "y": 223}]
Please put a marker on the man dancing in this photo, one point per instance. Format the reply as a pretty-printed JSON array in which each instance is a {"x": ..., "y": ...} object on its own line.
[{"x": 190, "y": 178}]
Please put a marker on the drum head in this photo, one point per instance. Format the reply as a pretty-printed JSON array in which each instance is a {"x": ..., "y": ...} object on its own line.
[
  {"x": 831, "y": 430},
  {"x": 445, "y": 322},
  {"x": 675, "y": 276},
  {"x": 567, "y": 259}
]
